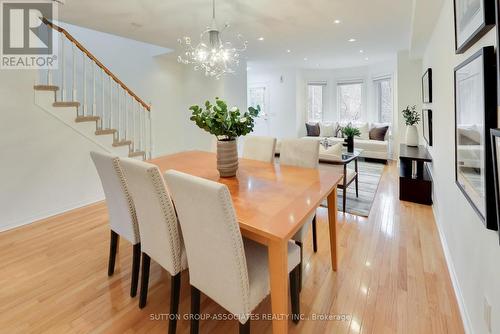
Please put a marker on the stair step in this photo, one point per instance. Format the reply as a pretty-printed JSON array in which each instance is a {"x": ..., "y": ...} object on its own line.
[
  {"x": 105, "y": 132},
  {"x": 66, "y": 104},
  {"x": 122, "y": 143},
  {"x": 137, "y": 154},
  {"x": 46, "y": 88},
  {"x": 81, "y": 119}
]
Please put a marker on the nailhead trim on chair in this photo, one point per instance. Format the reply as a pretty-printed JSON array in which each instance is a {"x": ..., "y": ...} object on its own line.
[
  {"x": 169, "y": 215},
  {"x": 131, "y": 206},
  {"x": 225, "y": 198}
]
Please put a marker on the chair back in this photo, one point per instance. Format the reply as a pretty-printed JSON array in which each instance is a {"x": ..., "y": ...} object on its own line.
[
  {"x": 121, "y": 209},
  {"x": 214, "y": 246},
  {"x": 158, "y": 225},
  {"x": 300, "y": 153},
  {"x": 259, "y": 148}
]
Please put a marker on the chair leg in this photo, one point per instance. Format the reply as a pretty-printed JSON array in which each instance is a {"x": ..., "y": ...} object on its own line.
[
  {"x": 175, "y": 289},
  {"x": 298, "y": 243},
  {"x": 136, "y": 264},
  {"x": 295, "y": 294},
  {"x": 113, "y": 243},
  {"x": 195, "y": 310},
  {"x": 245, "y": 328},
  {"x": 315, "y": 242},
  {"x": 344, "y": 193},
  {"x": 146, "y": 261}
]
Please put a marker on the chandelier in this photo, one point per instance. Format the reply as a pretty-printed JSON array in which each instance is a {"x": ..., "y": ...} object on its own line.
[{"x": 211, "y": 54}]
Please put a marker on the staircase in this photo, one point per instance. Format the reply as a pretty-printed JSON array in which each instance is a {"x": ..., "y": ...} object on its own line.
[{"x": 87, "y": 96}]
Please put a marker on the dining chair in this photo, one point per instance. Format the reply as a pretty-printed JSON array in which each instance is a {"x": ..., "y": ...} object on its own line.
[
  {"x": 229, "y": 269},
  {"x": 161, "y": 237},
  {"x": 301, "y": 153},
  {"x": 259, "y": 148},
  {"x": 121, "y": 211}
]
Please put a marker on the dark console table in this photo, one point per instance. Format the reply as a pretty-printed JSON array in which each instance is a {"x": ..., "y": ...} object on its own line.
[{"x": 415, "y": 183}]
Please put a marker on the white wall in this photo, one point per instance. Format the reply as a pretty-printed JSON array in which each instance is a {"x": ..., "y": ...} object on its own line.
[
  {"x": 473, "y": 252},
  {"x": 46, "y": 167}
]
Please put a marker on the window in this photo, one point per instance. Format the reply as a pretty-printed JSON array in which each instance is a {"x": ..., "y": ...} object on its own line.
[
  {"x": 383, "y": 99},
  {"x": 315, "y": 101},
  {"x": 257, "y": 97},
  {"x": 350, "y": 101}
]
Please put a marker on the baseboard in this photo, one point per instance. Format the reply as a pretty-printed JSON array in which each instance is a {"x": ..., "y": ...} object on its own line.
[
  {"x": 47, "y": 214},
  {"x": 453, "y": 275}
]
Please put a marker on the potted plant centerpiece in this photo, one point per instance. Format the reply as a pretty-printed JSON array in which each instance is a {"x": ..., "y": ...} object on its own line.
[
  {"x": 227, "y": 125},
  {"x": 349, "y": 132},
  {"x": 412, "y": 117}
]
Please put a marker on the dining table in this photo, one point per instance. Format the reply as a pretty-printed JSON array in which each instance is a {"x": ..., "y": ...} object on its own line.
[{"x": 272, "y": 203}]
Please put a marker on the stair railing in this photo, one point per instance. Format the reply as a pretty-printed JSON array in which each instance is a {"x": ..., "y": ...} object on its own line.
[{"x": 100, "y": 93}]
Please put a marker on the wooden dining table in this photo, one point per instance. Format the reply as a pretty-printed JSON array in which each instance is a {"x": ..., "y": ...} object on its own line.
[{"x": 272, "y": 202}]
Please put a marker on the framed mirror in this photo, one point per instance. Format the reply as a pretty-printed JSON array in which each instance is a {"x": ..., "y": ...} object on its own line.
[{"x": 475, "y": 115}]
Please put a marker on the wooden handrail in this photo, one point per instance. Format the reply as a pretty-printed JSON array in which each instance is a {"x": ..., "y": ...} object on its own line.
[{"x": 91, "y": 56}]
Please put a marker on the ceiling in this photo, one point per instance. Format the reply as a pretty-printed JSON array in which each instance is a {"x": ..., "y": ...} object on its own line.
[{"x": 305, "y": 27}]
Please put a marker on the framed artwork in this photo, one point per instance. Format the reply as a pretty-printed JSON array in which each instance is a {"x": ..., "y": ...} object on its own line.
[
  {"x": 427, "y": 125},
  {"x": 495, "y": 149},
  {"x": 473, "y": 18},
  {"x": 475, "y": 115},
  {"x": 427, "y": 86}
]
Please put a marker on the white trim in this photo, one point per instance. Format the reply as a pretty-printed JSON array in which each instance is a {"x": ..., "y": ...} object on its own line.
[
  {"x": 47, "y": 214},
  {"x": 453, "y": 275}
]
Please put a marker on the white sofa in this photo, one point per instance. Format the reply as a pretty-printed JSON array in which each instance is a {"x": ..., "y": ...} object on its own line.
[{"x": 372, "y": 149}]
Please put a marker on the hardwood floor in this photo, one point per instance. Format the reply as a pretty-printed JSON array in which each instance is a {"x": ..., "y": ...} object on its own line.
[{"x": 392, "y": 278}]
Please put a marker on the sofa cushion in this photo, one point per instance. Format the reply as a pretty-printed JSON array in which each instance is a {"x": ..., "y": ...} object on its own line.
[
  {"x": 371, "y": 145},
  {"x": 327, "y": 129},
  {"x": 363, "y": 128},
  {"x": 313, "y": 129},
  {"x": 378, "y": 133}
]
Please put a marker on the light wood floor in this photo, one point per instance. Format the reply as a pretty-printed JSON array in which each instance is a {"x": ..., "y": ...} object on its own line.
[{"x": 392, "y": 278}]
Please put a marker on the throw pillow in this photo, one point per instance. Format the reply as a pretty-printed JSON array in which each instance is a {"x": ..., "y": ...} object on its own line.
[
  {"x": 378, "y": 133},
  {"x": 363, "y": 128},
  {"x": 326, "y": 130},
  {"x": 313, "y": 129}
]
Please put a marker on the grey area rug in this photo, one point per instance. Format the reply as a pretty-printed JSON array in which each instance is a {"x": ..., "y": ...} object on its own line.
[{"x": 369, "y": 178}]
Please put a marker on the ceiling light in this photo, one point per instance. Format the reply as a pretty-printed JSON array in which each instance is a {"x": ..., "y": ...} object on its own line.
[
  {"x": 288, "y": 51},
  {"x": 336, "y": 21},
  {"x": 211, "y": 54},
  {"x": 305, "y": 59},
  {"x": 352, "y": 40},
  {"x": 366, "y": 58},
  {"x": 361, "y": 51},
  {"x": 261, "y": 38}
]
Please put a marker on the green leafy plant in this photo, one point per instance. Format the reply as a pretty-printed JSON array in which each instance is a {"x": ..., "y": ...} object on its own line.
[
  {"x": 350, "y": 131},
  {"x": 411, "y": 116},
  {"x": 226, "y": 124}
]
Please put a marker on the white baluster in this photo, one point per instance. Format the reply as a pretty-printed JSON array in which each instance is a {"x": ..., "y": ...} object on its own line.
[
  {"x": 118, "y": 116},
  {"x": 125, "y": 113},
  {"x": 103, "y": 118},
  {"x": 94, "y": 105},
  {"x": 131, "y": 120},
  {"x": 63, "y": 70},
  {"x": 73, "y": 97},
  {"x": 49, "y": 77},
  {"x": 110, "y": 104},
  {"x": 141, "y": 124},
  {"x": 85, "y": 112},
  {"x": 150, "y": 125}
]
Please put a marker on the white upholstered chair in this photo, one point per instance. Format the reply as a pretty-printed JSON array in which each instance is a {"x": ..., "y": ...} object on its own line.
[
  {"x": 161, "y": 238},
  {"x": 227, "y": 268},
  {"x": 301, "y": 153},
  {"x": 122, "y": 216},
  {"x": 259, "y": 148}
]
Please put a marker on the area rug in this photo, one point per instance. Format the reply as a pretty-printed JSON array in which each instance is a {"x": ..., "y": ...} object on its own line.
[{"x": 369, "y": 178}]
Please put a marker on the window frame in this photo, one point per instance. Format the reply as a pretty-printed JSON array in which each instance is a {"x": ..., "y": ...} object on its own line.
[
  {"x": 324, "y": 86},
  {"x": 377, "y": 98},
  {"x": 348, "y": 82}
]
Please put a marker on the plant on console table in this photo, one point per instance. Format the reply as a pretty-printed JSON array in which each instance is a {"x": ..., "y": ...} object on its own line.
[
  {"x": 412, "y": 118},
  {"x": 350, "y": 132},
  {"x": 227, "y": 125}
]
